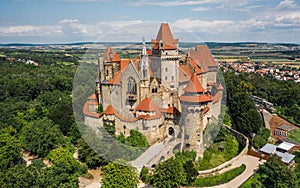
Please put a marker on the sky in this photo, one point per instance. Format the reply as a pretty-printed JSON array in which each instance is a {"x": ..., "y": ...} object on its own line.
[{"x": 69, "y": 21}]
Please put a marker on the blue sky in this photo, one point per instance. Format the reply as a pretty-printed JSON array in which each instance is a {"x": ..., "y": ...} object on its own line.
[{"x": 64, "y": 21}]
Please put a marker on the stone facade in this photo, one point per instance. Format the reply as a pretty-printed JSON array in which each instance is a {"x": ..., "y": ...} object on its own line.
[{"x": 161, "y": 94}]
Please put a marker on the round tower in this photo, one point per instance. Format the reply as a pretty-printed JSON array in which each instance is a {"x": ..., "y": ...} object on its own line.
[{"x": 194, "y": 106}]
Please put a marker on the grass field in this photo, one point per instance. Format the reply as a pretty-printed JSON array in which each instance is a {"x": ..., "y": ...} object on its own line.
[{"x": 295, "y": 135}]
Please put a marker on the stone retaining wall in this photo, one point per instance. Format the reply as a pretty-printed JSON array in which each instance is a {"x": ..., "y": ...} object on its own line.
[{"x": 243, "y": 140}]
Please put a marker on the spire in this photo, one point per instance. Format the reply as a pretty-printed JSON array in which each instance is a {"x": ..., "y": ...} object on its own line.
[
  {"x": 144, "y": 64},
  {"x": 165, "y": 38},
  {"x": 144, "y": 51}
]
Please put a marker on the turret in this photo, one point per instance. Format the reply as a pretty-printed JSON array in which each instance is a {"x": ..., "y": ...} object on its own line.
[{"x": 144, "y": 64}]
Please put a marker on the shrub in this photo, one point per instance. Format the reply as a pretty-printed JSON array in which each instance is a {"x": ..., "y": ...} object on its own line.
[{"x": 220, "y": 178}]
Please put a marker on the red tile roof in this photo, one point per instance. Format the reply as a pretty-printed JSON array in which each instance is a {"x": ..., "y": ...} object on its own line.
[
  {"x": 220, "y": 87},
  {"x": 217, "y": 97},
  {"x": 110, "y": 55},
  {"x": 201, "y": 98},
  {"x": 89, "y": 113},
  {"x": 109, "y": 110},
  {"x": 166, "y": 36},
  {"x": 146, "y": 105},
  {"x": 93, "y": 97},
  {"x": 149, "y": 52},
  {"x": 184, "y": 73},
  {"x": 194, "y": 86},
  {"x": 206, "y": 109},
  {"x": 202, "y": 56},
  {"x": 195, "y": 66},
  {"x": 116, "y": 80},
  {"x": 124, "y": 64},
  {"x": 169, "y": 110}
]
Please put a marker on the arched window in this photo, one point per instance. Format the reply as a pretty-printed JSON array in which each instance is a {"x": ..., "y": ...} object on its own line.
[
  {"x": 154, "y": 90},
  {"x": 131, "y": 86}
]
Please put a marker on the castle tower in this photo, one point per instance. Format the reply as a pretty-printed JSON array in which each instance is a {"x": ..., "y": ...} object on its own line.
[
  {"x": 111, "y": 61},
  {"x": 165, "y": 57},
  {"x": 194, "y": 104}
]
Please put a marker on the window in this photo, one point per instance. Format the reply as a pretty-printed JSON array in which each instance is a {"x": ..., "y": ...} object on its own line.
[
  {"x": 166, "y": 78},
  {"x": 154, "y": 90},
  {"x": 131, "y": 86},
  {"x": 173, "y": 78},
  {"x": 166, "y": 69}
]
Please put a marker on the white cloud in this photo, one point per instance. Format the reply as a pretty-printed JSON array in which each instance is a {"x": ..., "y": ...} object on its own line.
[
  {"x": 201, "y": 9},
  {"x": 68, "y": 21},
  {"x": 214, "y": 26},
  {"x": 30, "y": 30},
  {"x": 73, "y": 27},
  {"x": 291, "y": 18},
  {"x": 286, "y": 5}
]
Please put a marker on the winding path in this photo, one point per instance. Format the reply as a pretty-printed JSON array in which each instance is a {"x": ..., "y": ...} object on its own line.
[{"x": 252, "y": 164}]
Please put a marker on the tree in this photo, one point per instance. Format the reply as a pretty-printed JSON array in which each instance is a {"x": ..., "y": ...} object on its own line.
[
  {"x": 145, "y": 175},
  {"x": 117, "y": 175},
  {"x": 62, "y": 115},
  {"x": 275, "y": 174},
  {"x": 261, "y": 138},
  {"x": 136, "y": 139},
  {"x": 41, "y": 136},
  {"x": 64, "y": 156},
  {"x": 89, "y": 156},
  {"x": 10, "y": 151},
  {"x": 245, "y": 117},
  {"x": 191, "y": 172},
  {"x": 168, "y": 174}
]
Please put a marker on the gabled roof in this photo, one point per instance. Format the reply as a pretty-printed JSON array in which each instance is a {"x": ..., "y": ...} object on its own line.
[
  {"x": 110, "y": 55},
  {"x": 196, "y": 66},
  {"x": 165, "y": 35},
  {"x": 184, "y": 73},
  {"x": 202, "y": 56},
  {"x": 109, "y": 110},
  {"x": 146, "y": 105},
  {"x": 194, "y": 86}
]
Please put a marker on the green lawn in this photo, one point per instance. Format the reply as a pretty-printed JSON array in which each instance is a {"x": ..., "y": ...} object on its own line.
[
  {"x": 295, "y": 135},
  {"x": 213, "y": 157}
]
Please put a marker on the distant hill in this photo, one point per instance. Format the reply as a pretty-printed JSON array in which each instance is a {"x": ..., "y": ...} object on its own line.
[{"x": 182, "y": 44}]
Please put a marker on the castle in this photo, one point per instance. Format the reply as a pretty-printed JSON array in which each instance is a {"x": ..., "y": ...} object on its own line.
[{"x": 163, "y": 94}]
